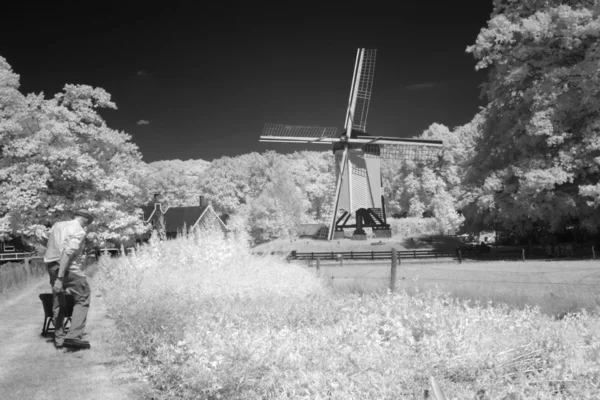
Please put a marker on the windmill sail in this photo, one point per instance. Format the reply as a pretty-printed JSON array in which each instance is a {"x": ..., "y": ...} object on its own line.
[
  {"x": 363, "y": 90},
  {"x": 298, "y": 134}
]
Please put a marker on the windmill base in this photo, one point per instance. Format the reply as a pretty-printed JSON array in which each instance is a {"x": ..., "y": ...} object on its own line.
[
  {"x": 359, "y": 236},
  {"x": 382, "y": 233},
  {"x": 338, "y": 234}
]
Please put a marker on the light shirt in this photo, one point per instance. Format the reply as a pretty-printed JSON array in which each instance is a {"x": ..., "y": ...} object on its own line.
[{"x": 66, "y": 237}]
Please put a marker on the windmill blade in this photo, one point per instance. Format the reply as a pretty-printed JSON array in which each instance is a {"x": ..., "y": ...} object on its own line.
[
  {"x": 402, "y": 151},
  {"x": 360, "y": 93},
  {"x": 384, "y": 140},
  {"x": 297, "y": 131},
  {"x": 297, "y": 139},
  {"x": 399, "y": 148},
  {"x": 363, "y": 95}
]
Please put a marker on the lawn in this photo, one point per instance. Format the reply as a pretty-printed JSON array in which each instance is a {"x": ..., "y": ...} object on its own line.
[
  {"x": 203, "y": 318},
  {"x": 556, "y": 287}
]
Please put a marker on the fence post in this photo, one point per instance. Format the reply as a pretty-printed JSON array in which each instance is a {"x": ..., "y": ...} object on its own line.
[
  {"x": 318, "y": 266},
  {"x": 523, "y": 253},
  {"x": 393, "y": 274},
  {"x": 593, "y": 253},
  {"x": 459, "y": 256},
  {"x": 28, "y": 266}
]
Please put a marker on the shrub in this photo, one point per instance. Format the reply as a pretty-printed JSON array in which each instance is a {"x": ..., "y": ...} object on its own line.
[
  {"x": 414, "y": 227},
  {"x": 204, "y": 319}
]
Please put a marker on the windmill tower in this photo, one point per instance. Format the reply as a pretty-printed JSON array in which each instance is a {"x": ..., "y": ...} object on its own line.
[{"x": 358, "y": 197}]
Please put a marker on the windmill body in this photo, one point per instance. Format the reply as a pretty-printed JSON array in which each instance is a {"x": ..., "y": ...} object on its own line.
[{"x": 358, "y": 193}]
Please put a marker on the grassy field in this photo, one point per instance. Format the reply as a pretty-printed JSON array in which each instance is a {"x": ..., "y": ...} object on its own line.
[
  {"x": 204, "y": 319},
  {"x": 557, "y": 287}
]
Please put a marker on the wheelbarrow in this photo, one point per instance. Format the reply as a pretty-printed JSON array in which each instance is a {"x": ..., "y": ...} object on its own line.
[{"x": 46, "y": 299}]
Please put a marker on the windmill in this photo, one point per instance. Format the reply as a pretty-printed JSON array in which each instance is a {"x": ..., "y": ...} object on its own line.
[{"x": 358, "y": 195}]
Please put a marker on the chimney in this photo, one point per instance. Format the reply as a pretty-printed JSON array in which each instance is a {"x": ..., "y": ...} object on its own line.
[
  {"x": 156, "y": 198},
  {"x": 201, "y": 201}
]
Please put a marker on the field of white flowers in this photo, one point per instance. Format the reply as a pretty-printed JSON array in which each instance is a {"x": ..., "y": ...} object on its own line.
[{"x": 202, "y": 318}]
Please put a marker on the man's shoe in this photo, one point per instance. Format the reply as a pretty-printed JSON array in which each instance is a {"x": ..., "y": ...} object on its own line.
[
  {"x": 77, "y": 344},
  {"x": 58, "y": 346}
]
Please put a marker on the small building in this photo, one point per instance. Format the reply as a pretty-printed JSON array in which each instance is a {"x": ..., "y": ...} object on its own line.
[{"x": 175, "y": 219}]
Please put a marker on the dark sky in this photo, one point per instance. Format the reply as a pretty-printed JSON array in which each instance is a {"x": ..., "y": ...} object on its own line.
[{"x": 207, "y": 80}]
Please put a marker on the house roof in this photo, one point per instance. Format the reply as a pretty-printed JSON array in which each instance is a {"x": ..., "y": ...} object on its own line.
[
  {"x": 176, "y": 217},
  {"x": 147, "y": 210}
]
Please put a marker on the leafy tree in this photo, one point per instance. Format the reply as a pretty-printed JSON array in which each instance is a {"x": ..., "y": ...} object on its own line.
[
  {"x": 537, "y": 163},
  {"x": 58, "y": 155},
  {"x": 278, "y": 211},
  {"x": 313, "y": 172},
  {"x": 418, "y": 188},
  {"x": 177, "y": 181},
  {"x": 232, "y": 182}
]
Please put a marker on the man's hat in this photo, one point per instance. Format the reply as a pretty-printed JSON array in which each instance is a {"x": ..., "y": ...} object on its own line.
[{"x": 86, "y": 214}]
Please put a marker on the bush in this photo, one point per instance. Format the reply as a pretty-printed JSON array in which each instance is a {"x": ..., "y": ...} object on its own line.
[
  {"x": 206, "y": 320},
  {"x": 414, "y": 227}
]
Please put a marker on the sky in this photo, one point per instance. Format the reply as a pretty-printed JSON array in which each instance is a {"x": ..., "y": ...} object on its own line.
[{"x": 192, "y": 82}]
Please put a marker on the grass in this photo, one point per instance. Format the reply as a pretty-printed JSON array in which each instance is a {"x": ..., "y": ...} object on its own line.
[
  {"x": 204, "y": 319},
  {"x": 14, "y": 275},
  {"x": 557, "y": 287}
]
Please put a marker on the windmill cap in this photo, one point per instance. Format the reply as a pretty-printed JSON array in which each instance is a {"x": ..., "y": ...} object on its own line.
[{"x": 85, "y": 213}]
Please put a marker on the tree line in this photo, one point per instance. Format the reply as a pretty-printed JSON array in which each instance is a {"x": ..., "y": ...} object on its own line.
[{"x": 527, "y": 162}]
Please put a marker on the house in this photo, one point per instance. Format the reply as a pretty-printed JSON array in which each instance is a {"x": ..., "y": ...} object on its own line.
[
  {"x": 14, "y": 249},
  {"x": 202, "y": 216}
]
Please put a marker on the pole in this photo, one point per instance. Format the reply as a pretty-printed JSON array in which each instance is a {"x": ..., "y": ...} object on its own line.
[
  {"x": 459, "y": 256},
  {"x": 593, "y": 253},
  {"x": 318, "y": 266},
  {"x": 393, "y": 274},
  {"x": 523, "y": 253}
]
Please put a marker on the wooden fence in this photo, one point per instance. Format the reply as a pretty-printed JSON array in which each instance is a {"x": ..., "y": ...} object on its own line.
[
  {"x": 460, "y": 254},
  {"x": 15, "y": 256}
]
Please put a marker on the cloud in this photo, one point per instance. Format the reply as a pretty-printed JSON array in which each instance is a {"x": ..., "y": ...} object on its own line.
[
  {"x": 422, "y": 86},
  {"x": 143, "y": 122}
]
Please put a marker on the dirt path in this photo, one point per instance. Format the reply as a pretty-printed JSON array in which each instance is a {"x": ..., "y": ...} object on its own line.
[{"x": 31, "y": 368}]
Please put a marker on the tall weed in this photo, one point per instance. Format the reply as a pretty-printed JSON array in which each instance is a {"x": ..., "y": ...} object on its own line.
[
  {"x": 16, "y": 274},
  {"x": 204, "y": 319}
]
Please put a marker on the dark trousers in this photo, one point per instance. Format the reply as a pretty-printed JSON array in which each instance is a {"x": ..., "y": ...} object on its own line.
[{"x": 80, "y": 289}]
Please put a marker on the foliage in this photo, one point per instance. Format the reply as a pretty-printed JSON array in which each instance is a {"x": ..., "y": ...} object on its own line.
[
  {"x": 414, "y": 227},
  {"x": 178, "y": 182},
  {"x": 58, "y": 155},
  {"x": 278, "y": 210},
  {"x": 434, "y": 188},
  {"x": 16, "y": 274},
  {"x": 269, "y": 194},
  {"x": 314, "y": 175},
  {"x": 536, "y": 165},
  {"x": 220, "y": 323}
]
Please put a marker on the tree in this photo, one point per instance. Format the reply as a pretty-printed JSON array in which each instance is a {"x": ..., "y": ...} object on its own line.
[
  {"x": 537, "y": 163},
  {"x": 313, "y": 173},
  {"x": 418, "y": 188},
  {"x": 58, "y": 155},
  {"x": 277, "y": 212},
  {"x": 177, "y": 181}
]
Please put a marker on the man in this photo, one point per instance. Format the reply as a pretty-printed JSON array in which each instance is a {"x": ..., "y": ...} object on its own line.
[{"x": 65, "y": 245}]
